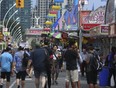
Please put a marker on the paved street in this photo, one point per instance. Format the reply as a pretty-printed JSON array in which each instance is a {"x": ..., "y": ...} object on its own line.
[{"x": 61, "y": 82}]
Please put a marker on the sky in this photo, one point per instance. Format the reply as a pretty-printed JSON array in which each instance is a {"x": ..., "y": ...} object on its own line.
[{"x": 96, "y": 3}]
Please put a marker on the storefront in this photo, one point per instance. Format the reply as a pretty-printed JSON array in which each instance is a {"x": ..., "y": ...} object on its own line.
[{"x": 110, "y": 19}]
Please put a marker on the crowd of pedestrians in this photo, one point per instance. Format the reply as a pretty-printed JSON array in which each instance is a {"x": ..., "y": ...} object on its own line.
[{"x": 47, "y": 62}]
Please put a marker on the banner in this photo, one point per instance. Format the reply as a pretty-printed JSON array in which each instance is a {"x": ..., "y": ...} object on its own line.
[
  {"x": 104, "y": 29},
  {"x": 58, "y": 1}
]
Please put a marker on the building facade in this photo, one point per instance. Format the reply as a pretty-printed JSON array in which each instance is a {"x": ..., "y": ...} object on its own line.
[{"x": 24, "y": 14}]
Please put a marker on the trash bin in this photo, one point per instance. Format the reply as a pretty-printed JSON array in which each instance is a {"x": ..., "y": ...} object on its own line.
[{"x": 103, "y": 77}]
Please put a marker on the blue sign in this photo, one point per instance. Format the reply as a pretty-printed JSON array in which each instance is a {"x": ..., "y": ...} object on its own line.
[{"x": 58, "y": 1}]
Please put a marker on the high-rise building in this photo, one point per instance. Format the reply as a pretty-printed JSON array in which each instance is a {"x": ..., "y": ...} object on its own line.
[
  {"x": 5, "y": 6},
  {"x": 23, "y": 13},
  {"x": 43, "y": 7}
]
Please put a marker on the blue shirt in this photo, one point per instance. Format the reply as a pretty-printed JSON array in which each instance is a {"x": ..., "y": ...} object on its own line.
[
  {"x": 5, "y": 60},
  {"x": 18, "y": 60}
]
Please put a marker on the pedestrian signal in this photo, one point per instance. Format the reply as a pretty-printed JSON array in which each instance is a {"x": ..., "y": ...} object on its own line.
[{"x": 19, "y": 3}]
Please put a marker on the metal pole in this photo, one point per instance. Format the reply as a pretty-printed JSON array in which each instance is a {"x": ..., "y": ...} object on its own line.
[
  {"x": 18, "y": 30},
  {"x": 11, "y": 17},
  {"x": 12, "y": 24},
  {"x": 7, "y": 13},
  {"x": 14, "y": 28}
]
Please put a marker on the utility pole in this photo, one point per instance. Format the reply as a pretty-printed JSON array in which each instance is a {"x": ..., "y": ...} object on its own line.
[{"x": 80, "y": 28}]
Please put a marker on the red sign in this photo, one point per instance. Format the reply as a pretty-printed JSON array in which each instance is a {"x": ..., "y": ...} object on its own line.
[
  {"x": 46, "y": 29},
  {"x": 88, "y": 27},
  {"x": 104, "y": 29}
]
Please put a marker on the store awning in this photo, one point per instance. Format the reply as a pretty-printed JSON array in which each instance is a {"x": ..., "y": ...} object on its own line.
[{"x": 56, "y": 35}]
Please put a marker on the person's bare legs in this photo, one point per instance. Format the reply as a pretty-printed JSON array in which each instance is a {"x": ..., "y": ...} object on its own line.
[
  {"x": 43, "y": 81},
  {"x": 7, "y": 84},
  {"x": 96, "y": 86},
  {"x": 78, "y": 84},
  {"x": 67, "y": 85},
  {"x": 18, "y": 82},
  {"x": 37, "y": 82},
  {"x": 23, "y": 83},
  {"x": 91, "y": 86},
  {"x": 73, "y": 84}
]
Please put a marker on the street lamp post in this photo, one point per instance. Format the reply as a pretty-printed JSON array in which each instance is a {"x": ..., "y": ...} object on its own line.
[
  {"x": 18, "y": 33},
  {"x": 13, "y": 23},
  {"x": 11, "y": 17},
  {"x": 18, "y": 30},
  {"x": 18, "y": 36},
  {"x": 80, "y": 28},
  {"x": 7, "y": 13},
  {"x": 14, "y": 28}
]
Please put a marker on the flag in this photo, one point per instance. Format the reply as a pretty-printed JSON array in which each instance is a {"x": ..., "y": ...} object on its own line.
[
  {"x": 56, "y": 23},
  {"x": 66, "y": 14}
]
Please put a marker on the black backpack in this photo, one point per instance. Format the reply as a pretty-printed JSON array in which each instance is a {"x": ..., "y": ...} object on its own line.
[
  {"x": 25, "y": 60},
  {"x": 97, "y": 65}
]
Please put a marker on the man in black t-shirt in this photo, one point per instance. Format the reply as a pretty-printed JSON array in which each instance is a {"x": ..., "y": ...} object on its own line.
[
  {"x": 39, "y": 59},
  {"x": 46, "y": 43},
  {"x": 71, "y": 66}
]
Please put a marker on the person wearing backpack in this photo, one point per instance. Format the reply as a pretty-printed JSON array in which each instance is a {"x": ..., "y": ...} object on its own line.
[
  {"x": 50, "y": 59},
  {"x": 39, "y": 59},
  {"x": 19, "y": 67},
  {"x": 91, "y": 69},
  {"x": 6, "y": 66}
]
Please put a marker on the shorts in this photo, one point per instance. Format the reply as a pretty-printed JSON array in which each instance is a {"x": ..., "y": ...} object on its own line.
[
  {"x": 91, "y": 77},
  {"x": 37, "y": 74},
  {"x": 72, "y": 75},
  {"x": 21, "y": 75},
  {"x": 6, "y": 75}
]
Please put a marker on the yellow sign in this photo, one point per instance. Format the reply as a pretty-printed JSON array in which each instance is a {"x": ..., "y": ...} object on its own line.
[
  {"x": 48, "y": 22},
  {"x": 19, "y": 3},
  {"x": 56, "y": 7}
]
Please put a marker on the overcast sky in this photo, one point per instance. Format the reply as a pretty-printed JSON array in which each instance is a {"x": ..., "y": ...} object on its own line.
[{"x": 96, "y": 3}]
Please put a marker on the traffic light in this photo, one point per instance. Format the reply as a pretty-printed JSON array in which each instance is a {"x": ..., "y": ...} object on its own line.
[{"x": 19, "y": 3}]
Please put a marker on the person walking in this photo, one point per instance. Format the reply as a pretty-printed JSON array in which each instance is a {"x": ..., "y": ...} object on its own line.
[
  {"x": 55, "y": 66},
  {"x": 83, "y": 64},
  {"x": 91, "y": 69},
  {"x": 39, "y": 59},
  {"x": 111, "y": 65},
  {"x": 70, "y": 57},
  {"x": 50, "y": 59},
  {"x": 20, "y": 67},
  {"x": 6, "y": 66}
]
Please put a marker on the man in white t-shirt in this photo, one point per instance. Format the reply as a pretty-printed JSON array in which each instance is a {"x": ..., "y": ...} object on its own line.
[{"x": 83, "y": 64}]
